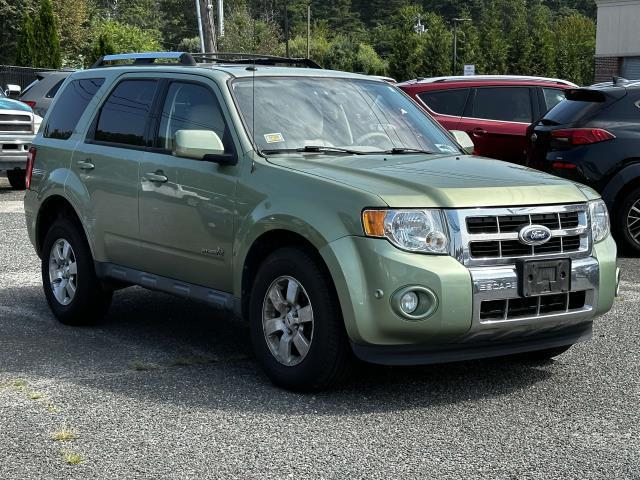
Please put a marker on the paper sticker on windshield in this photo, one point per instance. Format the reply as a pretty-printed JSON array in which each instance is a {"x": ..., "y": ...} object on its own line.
[
  {"x": 273, "y": 137},
  {"x": 446, "y": 148}
]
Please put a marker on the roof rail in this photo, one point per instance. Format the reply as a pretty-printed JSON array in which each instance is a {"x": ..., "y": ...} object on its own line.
[
  {"x": 515, "y": 78},
  {"x": 252, "y": 58},
  {"x": 147, "y": 58}
]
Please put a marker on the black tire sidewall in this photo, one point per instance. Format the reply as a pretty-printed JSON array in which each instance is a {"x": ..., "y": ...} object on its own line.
[
  {"x": 90, "y": 301},
  {"x": 329, "y": 350},
  {"x": 621, "y": 222},
  {"x": 17, "y": 179}
]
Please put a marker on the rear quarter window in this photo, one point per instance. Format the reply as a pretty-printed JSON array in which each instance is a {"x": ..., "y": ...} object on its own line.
[
  {"x": 446, "y": 102},
  {"x": 70, "y": 106},
  {"x": 568, "y": 111},
  {"x": 507, "y": 104}
]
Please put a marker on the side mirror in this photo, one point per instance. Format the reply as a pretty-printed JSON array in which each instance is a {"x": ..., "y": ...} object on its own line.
[
  {"x": 201, "y": 145},
  {"x": 13, "y": 91},
  {"x": 464, "y": 140}
]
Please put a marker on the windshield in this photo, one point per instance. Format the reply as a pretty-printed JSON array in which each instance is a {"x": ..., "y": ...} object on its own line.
[{"x": 358, "y": 116}]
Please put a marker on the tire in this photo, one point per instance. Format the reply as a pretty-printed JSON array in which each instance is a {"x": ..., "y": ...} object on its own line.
[
  {"x": 627, "y": 223},
  {"x": 544, "y": 356},
  {"x": 89, "y": 301},
  {"x": 17, "y": 179},
  {"x": 326, "y": 362}
]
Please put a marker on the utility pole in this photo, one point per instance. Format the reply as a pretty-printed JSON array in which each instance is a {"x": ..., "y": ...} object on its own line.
[
  {"x": 200, "y": 32},
  {"x": 456, "y": 21},
  {"x": 220, "y": 18},
  {"x": 207, "y": 26},
  {"x": 286, "y": 28},
  {"x": 309, "y": 30}
]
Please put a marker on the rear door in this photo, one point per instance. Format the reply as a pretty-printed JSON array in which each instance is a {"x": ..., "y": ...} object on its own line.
[
  {"x": 446, "y": 106},
  {"x": 187, "y": 206},
  {"x": 108, "y": 163},
  {"x": 497, "y": 118}
]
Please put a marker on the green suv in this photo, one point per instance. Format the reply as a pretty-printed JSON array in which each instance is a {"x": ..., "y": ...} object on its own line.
[{"x": 325, "y": 208}]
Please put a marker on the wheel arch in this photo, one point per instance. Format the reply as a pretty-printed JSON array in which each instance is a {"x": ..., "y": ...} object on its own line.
[
  {"x": 262, "y": 246},
  {"x": 52, "y": 208},
  {"x": 620, "y": 184}
]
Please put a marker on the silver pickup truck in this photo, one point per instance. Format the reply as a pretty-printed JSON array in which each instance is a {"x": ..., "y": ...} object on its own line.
[{"x": 18, "y": 126}]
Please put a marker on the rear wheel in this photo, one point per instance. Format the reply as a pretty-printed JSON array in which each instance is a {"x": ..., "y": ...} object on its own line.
[
  {"x": 73, "y": 291},
  {"x": 296, "y": 324},
  {"x": 17, "y": 179},
  {"x": 628, "y": 221}
]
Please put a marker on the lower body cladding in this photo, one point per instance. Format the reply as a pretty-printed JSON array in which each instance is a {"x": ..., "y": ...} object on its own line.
[
  {"x": 13, "y": 151},
  {"x": 480, "y": 312}
]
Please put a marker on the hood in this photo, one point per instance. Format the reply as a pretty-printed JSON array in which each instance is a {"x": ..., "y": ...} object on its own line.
[
  {"x": 10, "y": 104},
  {"x": 446, "y": 181}
]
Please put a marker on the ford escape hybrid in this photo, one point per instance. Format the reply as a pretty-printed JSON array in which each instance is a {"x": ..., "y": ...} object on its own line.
[{"x": 325, "y": 208}]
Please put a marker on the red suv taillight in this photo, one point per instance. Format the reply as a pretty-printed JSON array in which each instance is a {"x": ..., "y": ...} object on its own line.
[
  {"x": 31, "y": 159},
  {"x": 31, "y": 103},
  {"x": 582, "y": 136}
]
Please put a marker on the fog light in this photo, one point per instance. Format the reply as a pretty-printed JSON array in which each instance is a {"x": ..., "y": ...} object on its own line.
[{"x": 409, "y": 302}]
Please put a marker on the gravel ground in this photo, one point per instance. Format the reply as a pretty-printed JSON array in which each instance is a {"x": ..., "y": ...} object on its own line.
[{"x": 164, "y": 388}]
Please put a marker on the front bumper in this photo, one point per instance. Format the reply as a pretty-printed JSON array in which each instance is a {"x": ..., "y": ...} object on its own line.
[
  {"x": 368, "y": 271},
  {"x": 14, "y": 150}
]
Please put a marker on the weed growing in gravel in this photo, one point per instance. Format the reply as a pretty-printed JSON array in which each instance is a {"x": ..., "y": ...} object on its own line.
[
  {"x": 18, "y": 384},
  {"x": 52, "y": 409},
  {"x": 35, "y": 395},
  {"x": 70, "y": 457},
  {"x": 63, "y": 435},
  {"x": 143, "y": 366}
]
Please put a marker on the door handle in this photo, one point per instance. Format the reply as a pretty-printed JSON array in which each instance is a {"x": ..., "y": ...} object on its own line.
[
  {"x": 86, "y": 165},
  {"x": 157, "y": 177},
  {"x": 479, "y": 132}
]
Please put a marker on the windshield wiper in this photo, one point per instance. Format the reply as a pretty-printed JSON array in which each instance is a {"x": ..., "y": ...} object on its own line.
[
  {"x": 401, "y": 150},
  {"x": 313, "y": 149}
]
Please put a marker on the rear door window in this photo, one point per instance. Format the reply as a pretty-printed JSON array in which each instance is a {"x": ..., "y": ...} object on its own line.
[
  {"x": 124, "y": 116},
  {"x": 70, "y": 106},
  {"x": 507, "y": 104},
  {"x": 552, "y": 97},
  {"x": 446, "y": 102},
  {"x": 52, "y": 92}
]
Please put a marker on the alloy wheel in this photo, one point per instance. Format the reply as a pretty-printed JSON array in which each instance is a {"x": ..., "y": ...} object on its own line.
[
  {"x": 287, "y": 320},
  {"x": 63, "y": 272},
  {"x": 633, "y": 221}
]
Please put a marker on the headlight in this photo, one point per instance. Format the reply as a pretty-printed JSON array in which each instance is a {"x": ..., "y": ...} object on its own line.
[
  {"x": 599, "y": 217},
  {"x": 413, "y": 230}
]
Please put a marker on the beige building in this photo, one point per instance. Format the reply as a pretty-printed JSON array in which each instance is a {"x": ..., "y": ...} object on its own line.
[{"x": 618, "y": 39}]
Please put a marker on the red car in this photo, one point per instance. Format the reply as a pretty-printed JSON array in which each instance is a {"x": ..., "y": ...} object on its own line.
[{"x": 495, "y": 110}]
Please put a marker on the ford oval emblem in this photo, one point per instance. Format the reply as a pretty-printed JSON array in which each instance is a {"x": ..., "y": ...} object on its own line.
[{"x": 534, "y": 235}]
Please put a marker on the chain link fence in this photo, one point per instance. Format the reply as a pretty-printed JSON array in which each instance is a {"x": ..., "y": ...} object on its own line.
[{"x": 22, "y": 76}]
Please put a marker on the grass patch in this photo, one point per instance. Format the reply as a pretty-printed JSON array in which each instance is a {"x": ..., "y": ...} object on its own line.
[
  {"x": 52, "y": 409},
  {"x": 70, "y": 457},
  {"x": 63, "y": 435},
  {"x": 140, "y": 366},
  {"x": 36, "y": 395},
  {"x": 18, "y": 384}
]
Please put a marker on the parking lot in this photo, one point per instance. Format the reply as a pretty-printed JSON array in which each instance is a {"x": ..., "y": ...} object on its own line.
[{"x": 165, "y": 388}]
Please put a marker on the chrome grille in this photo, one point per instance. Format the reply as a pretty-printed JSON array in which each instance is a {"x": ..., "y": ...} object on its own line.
[
  {"x": 491, "y": 236},
  {"x": 510, "y": 308},
  {"x": 16, "y": 122}
]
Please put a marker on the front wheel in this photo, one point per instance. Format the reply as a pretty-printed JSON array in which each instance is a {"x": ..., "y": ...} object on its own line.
[
  {"x": 73, "y": 291},
  {"x": 17, "y": 179},
  {"x": 296, "y": 324}
]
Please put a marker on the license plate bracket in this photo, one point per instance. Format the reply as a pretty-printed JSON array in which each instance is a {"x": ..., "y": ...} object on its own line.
[{"x": 541, "y": 277}]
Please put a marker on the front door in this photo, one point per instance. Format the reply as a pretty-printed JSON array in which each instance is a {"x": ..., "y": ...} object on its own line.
[{"x": 187, "y": 206}]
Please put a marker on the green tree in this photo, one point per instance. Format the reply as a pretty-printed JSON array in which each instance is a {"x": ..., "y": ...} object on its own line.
[
  {"x": 492, "y": 40},
  {"x": 437, "y": 45},
  {"x": 575, "y": 47},
  {"x": 25, "y": 50},
  {"x": 246, "y": 34},
  {"x": 47, "y": 54},
  {"x": 101, "y": 47},
  {"x": 517, "y": 26},
  {"x": 319, "y": 47},
  {"x": 469, "y": 49},
  {"x": 76, "y": 34},
  {"x": 543, "y": 59},
  {"x": 367, "y": 61},
  {"x": 406, "y": 47},
  {"x": 112, "y": 36}
]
